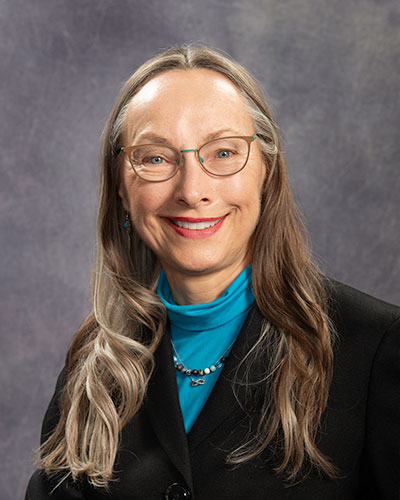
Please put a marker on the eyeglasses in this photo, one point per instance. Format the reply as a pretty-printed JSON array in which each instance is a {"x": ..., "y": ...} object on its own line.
[{"x": 220, "y": 157}]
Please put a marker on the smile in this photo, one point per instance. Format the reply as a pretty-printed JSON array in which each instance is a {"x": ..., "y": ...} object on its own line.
[
  {"x": 191, "y": 228},
  {"x": 196, "y": 226}
]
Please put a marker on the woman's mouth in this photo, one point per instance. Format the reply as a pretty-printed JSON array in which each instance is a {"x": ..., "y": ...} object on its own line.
[{"x": 195, "y": 228}]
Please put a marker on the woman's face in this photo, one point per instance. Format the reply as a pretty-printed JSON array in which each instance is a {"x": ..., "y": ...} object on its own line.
[{"x": 185, "y": 108}]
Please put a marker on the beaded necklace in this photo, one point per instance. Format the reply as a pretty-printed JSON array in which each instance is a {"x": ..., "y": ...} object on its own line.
[{"x": 180, "y": 367}]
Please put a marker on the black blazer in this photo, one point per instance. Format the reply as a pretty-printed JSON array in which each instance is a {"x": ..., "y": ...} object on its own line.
[{"x": 360, "y": 430}]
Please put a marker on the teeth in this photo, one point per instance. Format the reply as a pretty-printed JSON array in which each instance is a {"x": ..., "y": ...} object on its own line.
[{"x": 195, "y": 225}]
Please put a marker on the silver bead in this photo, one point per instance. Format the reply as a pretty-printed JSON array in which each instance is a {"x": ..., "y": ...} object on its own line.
[{"x": 206, "y": 371}]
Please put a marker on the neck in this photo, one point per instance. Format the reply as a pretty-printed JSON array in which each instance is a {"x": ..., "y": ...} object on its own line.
[{"x": 202, "y": 288}]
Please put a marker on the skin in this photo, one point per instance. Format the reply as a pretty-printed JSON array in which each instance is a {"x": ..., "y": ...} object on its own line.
[{"x": 184, "y": 107}]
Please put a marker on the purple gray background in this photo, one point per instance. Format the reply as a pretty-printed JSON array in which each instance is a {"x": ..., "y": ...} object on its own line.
[{"x": 331, "y": 69}]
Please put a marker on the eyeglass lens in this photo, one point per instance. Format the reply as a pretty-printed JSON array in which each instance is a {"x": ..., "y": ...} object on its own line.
[{"x": 224, "y": 156}]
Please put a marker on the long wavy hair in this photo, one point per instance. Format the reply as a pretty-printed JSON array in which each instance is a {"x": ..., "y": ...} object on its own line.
[{"x": 111, "y": 356}]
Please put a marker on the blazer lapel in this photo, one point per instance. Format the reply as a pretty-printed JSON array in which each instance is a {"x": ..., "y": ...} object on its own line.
[
  {"x": 163, "y": 406},
  {"x": 164, "y": 410},
  {"x": 223, "y": 400}
]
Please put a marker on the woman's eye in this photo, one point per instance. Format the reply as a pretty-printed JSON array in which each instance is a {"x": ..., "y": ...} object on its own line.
[
  {"x": 224, "y": 153},
  {"x": 154, "y": 160}
]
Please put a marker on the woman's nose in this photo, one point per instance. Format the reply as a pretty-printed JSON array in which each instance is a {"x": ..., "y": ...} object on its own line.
[{"x": 193, "y": 184}]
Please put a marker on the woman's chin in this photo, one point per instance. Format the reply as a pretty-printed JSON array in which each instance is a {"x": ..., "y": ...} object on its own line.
[
  {"x": 191, "y": 267},
  {"x": 190, "y": 270},
  {"x": 204, "y": 265}
]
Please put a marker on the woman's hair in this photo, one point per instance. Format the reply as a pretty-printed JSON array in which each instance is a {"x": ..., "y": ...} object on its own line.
[{"x": 111, "y": 356}]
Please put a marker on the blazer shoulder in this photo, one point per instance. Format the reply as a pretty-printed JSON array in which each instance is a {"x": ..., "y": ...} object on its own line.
[
  {"x": 53, "y": 411},
  {"x": 355, "y": 309}
]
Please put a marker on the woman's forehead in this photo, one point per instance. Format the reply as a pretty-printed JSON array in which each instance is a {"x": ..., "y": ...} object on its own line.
[
  {"x": 200, "y": 98},
  {"x": 193, "y": 82}
]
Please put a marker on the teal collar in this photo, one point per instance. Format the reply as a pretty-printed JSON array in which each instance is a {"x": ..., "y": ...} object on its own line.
[{"x": 236, "y": 299}]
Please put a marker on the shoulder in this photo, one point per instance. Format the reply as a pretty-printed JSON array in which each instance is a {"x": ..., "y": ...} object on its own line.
[
  {"x": 367, "y": 337},
  {"x": 52, "y": 415},
  {"x": 364, "y": 404},
  {"x": 366, "y": 348},
  {"x": 357, "y": 312}
]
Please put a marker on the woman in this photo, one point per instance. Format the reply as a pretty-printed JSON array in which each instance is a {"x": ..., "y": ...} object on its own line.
[{"x": 218, "y": 361}]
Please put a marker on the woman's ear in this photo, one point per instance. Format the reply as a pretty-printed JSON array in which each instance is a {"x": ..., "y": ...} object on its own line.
[{"x": 124, "y": 196}]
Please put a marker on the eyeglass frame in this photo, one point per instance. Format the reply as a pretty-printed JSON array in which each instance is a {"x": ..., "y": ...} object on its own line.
[{"x": 248, "y": 138}]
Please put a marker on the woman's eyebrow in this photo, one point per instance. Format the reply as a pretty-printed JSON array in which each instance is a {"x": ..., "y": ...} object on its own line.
[
  {"x": 218, "y": 133},
  {"x": 158, "y": 139},
  {"x": 150, "y": 137}
]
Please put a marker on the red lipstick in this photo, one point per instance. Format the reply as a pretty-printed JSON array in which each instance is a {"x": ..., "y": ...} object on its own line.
[
  {"x": 195, "y": 219},
  {"x": 195, "y": 233}
]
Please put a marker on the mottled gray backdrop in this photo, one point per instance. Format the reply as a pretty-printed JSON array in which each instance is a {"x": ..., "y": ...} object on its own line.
[{"x": 331, "y": 70}]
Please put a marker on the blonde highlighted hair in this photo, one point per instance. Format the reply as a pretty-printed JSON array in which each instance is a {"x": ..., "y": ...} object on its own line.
[{"x": 111, "y": 356}]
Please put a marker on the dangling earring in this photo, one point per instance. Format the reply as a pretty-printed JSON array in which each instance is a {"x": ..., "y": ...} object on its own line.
[{"x": 127, "y": 224}]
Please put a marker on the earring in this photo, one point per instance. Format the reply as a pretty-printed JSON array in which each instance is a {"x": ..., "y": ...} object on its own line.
[{"x": 127, "y": 223}]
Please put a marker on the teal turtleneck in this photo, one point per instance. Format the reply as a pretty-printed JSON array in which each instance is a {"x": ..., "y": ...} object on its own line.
[{"x": 201, "y": 333}]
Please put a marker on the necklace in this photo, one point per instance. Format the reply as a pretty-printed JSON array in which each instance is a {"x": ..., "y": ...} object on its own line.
[{"x": 180, "y": 366}]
